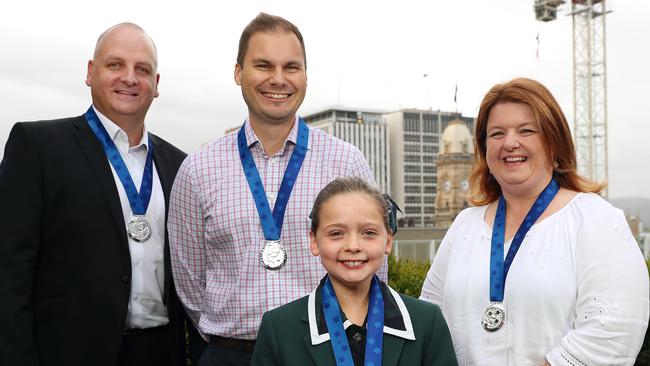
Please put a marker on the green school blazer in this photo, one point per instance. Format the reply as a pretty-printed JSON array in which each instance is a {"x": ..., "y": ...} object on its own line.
[{"x": 415, "y": 333}]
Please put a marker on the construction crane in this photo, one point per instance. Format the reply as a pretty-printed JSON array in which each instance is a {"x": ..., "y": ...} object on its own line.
[{"x": 589, "y": 81}]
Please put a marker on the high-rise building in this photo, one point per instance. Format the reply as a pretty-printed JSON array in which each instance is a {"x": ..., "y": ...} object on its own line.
[
  {"x": 364, "y": 128},
  {"x": 414, "y": 140}
]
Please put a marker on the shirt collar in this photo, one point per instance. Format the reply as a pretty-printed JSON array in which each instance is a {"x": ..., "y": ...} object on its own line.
[
  {"x": 397, "y": 320},
  {"x": 114, "y": 130},
  {"x": 251, "y": 137}
]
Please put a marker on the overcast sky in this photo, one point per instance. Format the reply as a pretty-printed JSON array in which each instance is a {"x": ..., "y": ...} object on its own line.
[{"x": 365, "y": 54}]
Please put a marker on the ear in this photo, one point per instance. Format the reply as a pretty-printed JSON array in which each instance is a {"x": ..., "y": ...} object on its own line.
[
  {"x": 157, "y": 81},
  {"x": 389, "y": 244},
  {"x": 238, "y": 74},
  {"x": 89, "y": 73},
  {"x": 313, "y": 246}
]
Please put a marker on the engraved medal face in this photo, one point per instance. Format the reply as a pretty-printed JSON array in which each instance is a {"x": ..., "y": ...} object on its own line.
[
  {"x": 273, "y": 255},
  {"x": 139, "y": 228},
  {"x": 494, "y": 317}
]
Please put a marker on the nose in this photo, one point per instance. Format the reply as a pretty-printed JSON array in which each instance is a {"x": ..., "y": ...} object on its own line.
[
  {"x": 511, "y": 141},
  {"x": 129, "y": 78},
  {"x": 277, "y": 77},
  {"x": 352, "y": 244}
]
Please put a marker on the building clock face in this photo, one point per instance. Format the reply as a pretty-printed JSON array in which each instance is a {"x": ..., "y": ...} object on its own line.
[
  {"x": 464, "y": 185},
  {"x": 447, "y": 185}
]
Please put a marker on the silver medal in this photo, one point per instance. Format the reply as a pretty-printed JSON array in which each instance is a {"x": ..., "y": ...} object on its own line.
[
  {"x": 139, "y": 228},
  {"x": 494, "y": 317},
  {"x": 273, "y": 255}
]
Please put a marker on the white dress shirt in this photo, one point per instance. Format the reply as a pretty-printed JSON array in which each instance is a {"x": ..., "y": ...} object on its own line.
[
  {"x": 146, "y": 307},
  {"x": 576, "y": 293}
]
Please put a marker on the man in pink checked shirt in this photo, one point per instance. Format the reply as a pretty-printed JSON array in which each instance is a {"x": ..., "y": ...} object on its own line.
[{"x": 238, "y": 219}]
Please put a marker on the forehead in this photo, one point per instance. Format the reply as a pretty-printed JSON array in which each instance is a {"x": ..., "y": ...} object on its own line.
[
  {"x": 127, "y": 42},
  {"x": 510, "y": 114},
  {"x": 357, "y": 203},
  {"x": 276, "y": 46}
]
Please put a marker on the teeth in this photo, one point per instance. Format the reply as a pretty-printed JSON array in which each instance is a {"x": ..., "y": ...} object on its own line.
[
  {"x": 276, "y": 96},
  {"x": 515, "y": 159},
  {"x": 353, "y": 263}
]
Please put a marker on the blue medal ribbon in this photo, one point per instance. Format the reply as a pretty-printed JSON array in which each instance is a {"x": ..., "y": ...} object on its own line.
[
  {"x": 498, "y": 266},
  {"x": 139, "y": 200},
  {"x": 375, "y": 327},
  {"x": 272, "y": 222}
]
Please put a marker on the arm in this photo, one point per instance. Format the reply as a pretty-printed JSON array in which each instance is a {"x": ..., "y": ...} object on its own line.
[
  {"x": 612, "y": 302},
  {"x": 20, "y": 227},
  {"x": 434, "y": 283},
  {"x": 266, "y": 346},
  {"x": 186, "y": 243}
]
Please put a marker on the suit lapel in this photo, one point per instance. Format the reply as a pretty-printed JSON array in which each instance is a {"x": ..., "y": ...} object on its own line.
[
  {"x": 94, "y": 152},
  {"x": 166, "y": 176}
]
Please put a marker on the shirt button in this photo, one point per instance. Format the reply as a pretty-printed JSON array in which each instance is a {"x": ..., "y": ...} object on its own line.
[
  {"x": 356, "y": 337},
  {"x": 126, "y": 278}
]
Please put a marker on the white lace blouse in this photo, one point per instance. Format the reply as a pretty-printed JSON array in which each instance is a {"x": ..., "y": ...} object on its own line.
[{"x": 576, "y": 293}]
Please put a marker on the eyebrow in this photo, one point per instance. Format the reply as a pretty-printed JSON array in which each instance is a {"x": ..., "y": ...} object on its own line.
[{"x": 522, "y": 124}]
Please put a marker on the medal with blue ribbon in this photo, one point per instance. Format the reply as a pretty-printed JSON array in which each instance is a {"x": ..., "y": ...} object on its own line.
[
  {"x": 138, "y": 227},
  {"x": 375, "y": 326},
  {"x": 495, "y": 315},
  {"x": 273, "y": 255}
]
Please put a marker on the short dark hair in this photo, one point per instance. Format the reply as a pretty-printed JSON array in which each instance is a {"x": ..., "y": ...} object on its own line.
[
  {"x": 267, "y": 23},
  {"x": 348, "y": 185}
]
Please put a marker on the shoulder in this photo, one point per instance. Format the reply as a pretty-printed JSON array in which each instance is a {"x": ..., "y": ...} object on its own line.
[
  {"x": 215, "y": 155},
  {"x": 49, "y": 125},
  {"x": 474, "y": 213},
  {"x": 46, "y": 132},
  {"x": 468, "y": 220},
  {"x": 322, "y": 140},
  {"x": 168, "y": 147},
  {"x": 286, "y": 312},
  {"x": 420, "y": 309},
  {"x": 591, "y": 210}
]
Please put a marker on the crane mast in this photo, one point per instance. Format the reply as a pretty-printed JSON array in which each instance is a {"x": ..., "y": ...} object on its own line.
[{"x": 589, "y": 82}]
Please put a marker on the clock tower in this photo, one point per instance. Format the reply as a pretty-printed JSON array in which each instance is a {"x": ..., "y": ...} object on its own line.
[{"x": 454, "y": 165}]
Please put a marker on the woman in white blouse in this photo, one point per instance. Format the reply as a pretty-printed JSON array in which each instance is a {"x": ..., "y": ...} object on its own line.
[{"x": 577, "y": 290}]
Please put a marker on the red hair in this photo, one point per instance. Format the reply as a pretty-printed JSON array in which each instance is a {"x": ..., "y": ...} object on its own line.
[{"x": 554, "y": 132}]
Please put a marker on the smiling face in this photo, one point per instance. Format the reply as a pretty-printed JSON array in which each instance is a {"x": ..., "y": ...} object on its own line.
[
  {"x": 122, "y": 76},
  {"x": 351, "y": 239},
  {"x": 273, "y": 77},
  {"x": 515, "y": 153}
]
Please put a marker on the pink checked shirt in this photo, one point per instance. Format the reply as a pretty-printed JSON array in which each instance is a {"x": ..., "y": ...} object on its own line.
[{"x": 215, "y": 232}]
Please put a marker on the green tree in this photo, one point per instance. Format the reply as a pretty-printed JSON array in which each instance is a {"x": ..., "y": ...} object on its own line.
[{"x": 407, "y": 276}]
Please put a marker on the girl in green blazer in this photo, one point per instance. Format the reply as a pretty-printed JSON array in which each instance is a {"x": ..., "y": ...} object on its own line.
[{"x": 352, "y": 318}]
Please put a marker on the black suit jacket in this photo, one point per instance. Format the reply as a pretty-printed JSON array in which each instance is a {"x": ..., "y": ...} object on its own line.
[{"x": 65, "y": 269}]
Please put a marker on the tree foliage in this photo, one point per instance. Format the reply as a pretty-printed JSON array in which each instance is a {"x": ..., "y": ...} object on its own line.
[{"x": 406, "y": 276}]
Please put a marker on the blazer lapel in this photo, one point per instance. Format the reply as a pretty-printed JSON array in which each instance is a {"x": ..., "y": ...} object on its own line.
[
  {"x": 392, "y": 350},
  {"x": 320, "y": 353},
  {"x": 166, "y": 177},
  {"x": 98, "y": 162}
]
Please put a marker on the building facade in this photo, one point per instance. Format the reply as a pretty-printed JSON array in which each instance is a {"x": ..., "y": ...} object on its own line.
[
  {"x": 415, "y": 142},
  {"x": 454, "y": 164},
  {"x": 366, "y": 129}
]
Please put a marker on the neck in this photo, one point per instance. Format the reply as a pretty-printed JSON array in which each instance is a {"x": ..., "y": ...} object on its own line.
[
  {"x": 353, "y": 301},
  {"x": 272, "y": 135},
  {"x": 134, "y": 133},
  {"x": 134, "y": 127},
  {"x": 519, "y": 205}
]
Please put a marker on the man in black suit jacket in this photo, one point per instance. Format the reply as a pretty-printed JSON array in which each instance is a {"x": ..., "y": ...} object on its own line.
[{"x": 79, "y": 285}]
